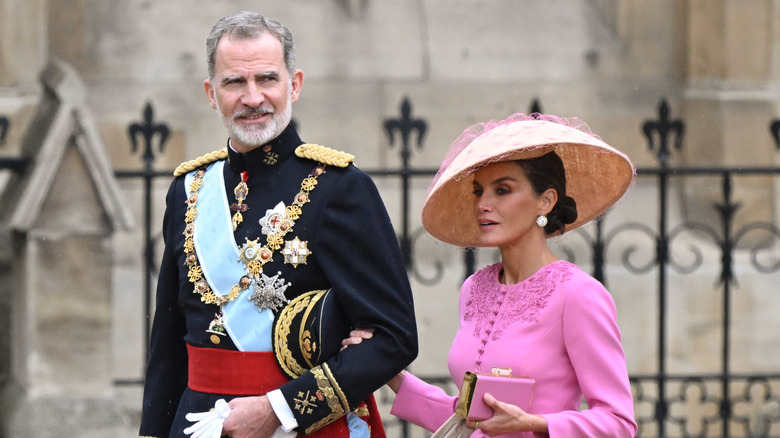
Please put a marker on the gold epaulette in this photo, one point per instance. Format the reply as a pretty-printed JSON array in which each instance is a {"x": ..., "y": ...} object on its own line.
[
  {"x": 201, "y": 161},
  {"x": 324, "y": 155}
]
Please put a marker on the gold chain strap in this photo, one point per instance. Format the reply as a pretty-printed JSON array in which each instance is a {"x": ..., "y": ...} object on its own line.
[{"x": 274, "y": 240}]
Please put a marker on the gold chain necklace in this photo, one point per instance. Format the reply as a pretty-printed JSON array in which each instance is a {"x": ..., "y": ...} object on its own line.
[{"x": 252, "y": 256}]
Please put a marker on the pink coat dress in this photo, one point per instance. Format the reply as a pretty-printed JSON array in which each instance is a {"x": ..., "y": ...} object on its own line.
[{"x": 559, "y": 327}]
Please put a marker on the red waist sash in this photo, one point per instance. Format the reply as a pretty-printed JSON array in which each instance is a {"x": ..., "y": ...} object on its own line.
[{"x": 219, "y": 371}]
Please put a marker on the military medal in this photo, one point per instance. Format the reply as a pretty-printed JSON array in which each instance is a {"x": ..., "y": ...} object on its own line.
[
  {"x": 216, "y": 328},
  {"x": 295, "y": 252},
  {"x": 276, "y": 220},
  {"x": 268, "y": 292},
  {"x": 241, "y": 191}
]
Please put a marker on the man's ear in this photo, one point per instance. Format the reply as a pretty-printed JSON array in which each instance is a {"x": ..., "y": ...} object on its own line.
[
  {"x": 297, "y": 84},
  {"x": 210, "y": 93}
]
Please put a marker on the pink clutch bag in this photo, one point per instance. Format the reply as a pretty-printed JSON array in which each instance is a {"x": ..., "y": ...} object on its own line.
[{"x": 500, "y": 384}]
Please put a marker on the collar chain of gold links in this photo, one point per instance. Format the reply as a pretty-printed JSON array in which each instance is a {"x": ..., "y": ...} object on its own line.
[{"x": 274, "y": 241}]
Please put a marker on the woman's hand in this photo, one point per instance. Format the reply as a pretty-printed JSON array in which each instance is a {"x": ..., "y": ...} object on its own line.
[
  {"x": 508, "y": 418},
  {"x": 356, "y": 336}
]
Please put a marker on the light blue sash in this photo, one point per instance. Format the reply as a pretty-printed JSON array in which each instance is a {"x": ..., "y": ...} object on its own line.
[{"x": 218, "y": 254}]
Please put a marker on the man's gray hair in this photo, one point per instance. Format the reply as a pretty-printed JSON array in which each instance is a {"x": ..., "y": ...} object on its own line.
[{"x": 249, "y": 25}]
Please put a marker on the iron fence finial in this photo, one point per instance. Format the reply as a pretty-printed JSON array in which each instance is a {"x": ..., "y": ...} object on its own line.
[
  {"x": 406, "y": 125},
  {"x": 148, "y": 129},
  {"x": 664, "y": 126}
]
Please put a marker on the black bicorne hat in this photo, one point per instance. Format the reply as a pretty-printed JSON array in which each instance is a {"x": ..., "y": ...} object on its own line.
[{"x": 309, "y": 331}]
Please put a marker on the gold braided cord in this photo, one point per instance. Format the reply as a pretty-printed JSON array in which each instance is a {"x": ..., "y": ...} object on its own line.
[
  {"x": 324, "y": 155},
  {"x": 335, "y": 385},
  {"x": 201, "y": 161},
  {"x": 282, "y": 329}
]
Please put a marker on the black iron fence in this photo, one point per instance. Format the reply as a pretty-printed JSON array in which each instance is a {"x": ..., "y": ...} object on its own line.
[
  {"x": 719, "y": 403},
  {"x": 13, "y": 163},
  {"x": 154, "y": 135}
]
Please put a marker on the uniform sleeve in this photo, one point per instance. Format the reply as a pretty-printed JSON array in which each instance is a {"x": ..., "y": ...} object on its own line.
[
  {"x": 166, "y": 372},
  {"x": 592, "y": 341},
  {"x": 423, "y": 404},
  {"x": 359, "y": 253}
]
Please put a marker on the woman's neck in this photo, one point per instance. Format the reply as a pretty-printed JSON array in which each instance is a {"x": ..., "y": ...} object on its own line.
[{"x": 521, "y": 262}]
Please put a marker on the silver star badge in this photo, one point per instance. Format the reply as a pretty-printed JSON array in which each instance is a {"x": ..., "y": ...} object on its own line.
[
  {"x": 275, "y": 219},
  {"x": 269, "y": 292}
]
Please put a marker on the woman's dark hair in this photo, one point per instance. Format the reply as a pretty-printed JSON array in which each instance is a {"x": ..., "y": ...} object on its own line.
[{"x": 547, "y": 172}]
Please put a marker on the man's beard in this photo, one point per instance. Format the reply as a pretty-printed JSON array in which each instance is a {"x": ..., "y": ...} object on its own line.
[{"x": 258, "y": 134}]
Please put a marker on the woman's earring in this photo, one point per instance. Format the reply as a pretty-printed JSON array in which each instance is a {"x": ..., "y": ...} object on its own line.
[{"x": 541, "y": 221}]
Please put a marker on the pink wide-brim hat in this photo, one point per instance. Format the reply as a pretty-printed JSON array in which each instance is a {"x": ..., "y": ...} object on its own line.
[{"x": 597, "y": 175}]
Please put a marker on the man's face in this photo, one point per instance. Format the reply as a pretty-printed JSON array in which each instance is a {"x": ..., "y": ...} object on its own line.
[{"x": 252, "y": 89}]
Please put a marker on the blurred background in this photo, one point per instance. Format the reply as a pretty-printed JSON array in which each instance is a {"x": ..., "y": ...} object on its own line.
[{"x": 101, "y": 99}]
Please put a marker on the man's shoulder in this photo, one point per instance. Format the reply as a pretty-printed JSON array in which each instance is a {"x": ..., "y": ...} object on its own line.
[
  {"x": 203, "y": 160},
  {"x": 315, "y": 152},
  {"x": 324, "y": 155}
]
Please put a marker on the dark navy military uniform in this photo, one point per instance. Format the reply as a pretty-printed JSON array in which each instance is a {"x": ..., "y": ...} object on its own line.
[{"x": 353, "y": 251}]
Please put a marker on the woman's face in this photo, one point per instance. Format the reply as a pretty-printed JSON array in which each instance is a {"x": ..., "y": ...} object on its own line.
[{"x": 505, "y": 204}]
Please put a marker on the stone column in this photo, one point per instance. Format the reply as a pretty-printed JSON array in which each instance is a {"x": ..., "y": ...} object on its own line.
[
  {"x": 728, "y": 101},
  {"x": 62, "y": 211},
  {"x": 62, "y": 376}
]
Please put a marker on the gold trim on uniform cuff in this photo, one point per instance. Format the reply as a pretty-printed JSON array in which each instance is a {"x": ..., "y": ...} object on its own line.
[{"x": 326, "y": 386}]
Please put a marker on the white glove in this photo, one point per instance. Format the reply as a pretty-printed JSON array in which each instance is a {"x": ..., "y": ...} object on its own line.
[
  {"x": 280, "y": 433},
  {"x": 208, "y": 424}
]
